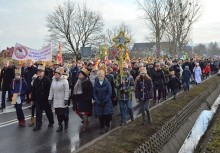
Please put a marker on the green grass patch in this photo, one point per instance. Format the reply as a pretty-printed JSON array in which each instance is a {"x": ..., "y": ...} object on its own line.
[
  {"x": 214, "y": 145},
  {"x": 128, "y": 138}
]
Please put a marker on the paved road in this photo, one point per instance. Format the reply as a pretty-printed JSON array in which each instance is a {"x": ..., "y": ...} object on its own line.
[{"x": 15, "y": 139}]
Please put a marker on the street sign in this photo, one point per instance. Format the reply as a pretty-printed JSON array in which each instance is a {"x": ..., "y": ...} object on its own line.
[{"x": 86, "y": 51}]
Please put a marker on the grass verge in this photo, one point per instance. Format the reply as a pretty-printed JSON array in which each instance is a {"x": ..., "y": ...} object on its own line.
[
  {"x": 214, "y": 145},
  {"x": 128, "y": 138}
]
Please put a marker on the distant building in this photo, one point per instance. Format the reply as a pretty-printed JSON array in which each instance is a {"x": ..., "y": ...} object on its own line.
[
  {"x": 7, "y": 52},
  {"x": 142, "y": 50}
]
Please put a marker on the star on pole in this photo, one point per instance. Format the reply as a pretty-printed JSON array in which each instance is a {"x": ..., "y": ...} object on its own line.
[{"x": 121, "y": 40}]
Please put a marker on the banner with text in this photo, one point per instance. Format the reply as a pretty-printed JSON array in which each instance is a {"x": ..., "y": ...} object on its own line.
[{"x": 23, "y": 53}]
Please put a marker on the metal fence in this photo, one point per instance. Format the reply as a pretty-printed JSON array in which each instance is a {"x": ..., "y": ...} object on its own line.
[{"x": 155, "y": 143}]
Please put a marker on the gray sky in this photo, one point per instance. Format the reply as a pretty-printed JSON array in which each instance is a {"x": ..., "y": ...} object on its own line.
[{"x": 23, "y": 21}]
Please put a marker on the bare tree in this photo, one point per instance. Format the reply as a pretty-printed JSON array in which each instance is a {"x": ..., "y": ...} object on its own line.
[
  {"x": 155, "y": 17},
  {"x": 184, "y": 13},
  {"x": 213, "y": 49},
  {"x": 200, "y": 49},
  {"x": 75, "y": 25}
]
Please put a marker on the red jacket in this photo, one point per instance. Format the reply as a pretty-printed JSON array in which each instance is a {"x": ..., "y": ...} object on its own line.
[{"x": 207, "y": 69}]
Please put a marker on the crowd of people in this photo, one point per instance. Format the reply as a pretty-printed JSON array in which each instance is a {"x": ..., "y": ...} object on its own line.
[{"x": 95, "y": 89}]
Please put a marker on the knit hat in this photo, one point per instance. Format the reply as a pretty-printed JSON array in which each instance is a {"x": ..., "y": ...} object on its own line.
[
  {"x": 60, "y": 70},
  {"x": 41, "y": 68},
  {"x": 85, "y": 72}
]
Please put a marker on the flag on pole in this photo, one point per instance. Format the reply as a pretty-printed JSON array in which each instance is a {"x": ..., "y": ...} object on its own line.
[
  {"x": 59, "y": 55},
  {"x": 127, "y": 57}
]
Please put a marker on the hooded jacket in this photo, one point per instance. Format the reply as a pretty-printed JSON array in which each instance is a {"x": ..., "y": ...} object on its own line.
[
  {"x": 59, "y": 91},
  {"x": 19, "y": 86},
  {"x": 144, "y": 89},
  {"x": 102, "y": 93}
]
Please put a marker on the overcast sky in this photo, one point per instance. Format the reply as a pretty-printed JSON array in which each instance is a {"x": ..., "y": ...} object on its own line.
[{"x": 23, "y": 21}]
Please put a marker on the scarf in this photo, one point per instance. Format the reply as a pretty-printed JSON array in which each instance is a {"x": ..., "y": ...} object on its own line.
[{"x": 78, "y": 87}]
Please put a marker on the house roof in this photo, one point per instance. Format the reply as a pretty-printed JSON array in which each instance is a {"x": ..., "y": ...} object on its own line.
[
  {"x": 143, "y": 46},
  {"x": 8, "y": 50}
]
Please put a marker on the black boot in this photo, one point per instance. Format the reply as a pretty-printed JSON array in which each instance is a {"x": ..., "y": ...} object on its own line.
[
  {"x": 60, "y": 128},
  {"x": 66, "y": 125},
  {"x": 66, "y": 121}
]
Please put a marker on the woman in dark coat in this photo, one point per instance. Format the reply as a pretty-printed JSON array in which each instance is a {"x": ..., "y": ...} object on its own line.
[
  {"x": 143, "y": 93},
  {"x": 102, "y": 93},
  {"x": 82, "y": 98}
]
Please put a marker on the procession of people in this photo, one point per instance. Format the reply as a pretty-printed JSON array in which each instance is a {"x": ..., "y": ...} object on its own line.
[{"x": 96, "y": 89}]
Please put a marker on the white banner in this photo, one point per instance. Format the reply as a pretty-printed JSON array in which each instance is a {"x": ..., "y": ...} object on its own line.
[{"x": 24, "y": 53}]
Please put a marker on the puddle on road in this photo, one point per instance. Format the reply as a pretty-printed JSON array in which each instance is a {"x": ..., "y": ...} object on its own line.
[{"x": 199, "y": 128}]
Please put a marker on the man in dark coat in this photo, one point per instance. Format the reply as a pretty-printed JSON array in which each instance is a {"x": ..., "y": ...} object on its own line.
[
  {"x": 6, "y": 77},
  {"x": 189, "y": 64},
  {"x": 28, "y": 75},
  {"x": 73, "y": 74},
  {"x": 150, "y": 69},
  {"x": 186, "y": 78},
  {"x": 159, "y": 81},
  {"x": 111, "y": 80},
  {"x": 176, "y": 68},
  {"x": 135, "y": 71},
  {"x": 40, "y": 93}
]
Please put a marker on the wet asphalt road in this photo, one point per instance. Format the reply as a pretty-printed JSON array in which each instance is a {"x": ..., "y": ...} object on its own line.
[{"x": 16, "y": 139}]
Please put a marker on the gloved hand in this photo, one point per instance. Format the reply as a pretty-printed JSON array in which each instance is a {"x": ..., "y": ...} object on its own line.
[
  {"x": 66, "y": 102},
  {"x": 51, "y": 102}
]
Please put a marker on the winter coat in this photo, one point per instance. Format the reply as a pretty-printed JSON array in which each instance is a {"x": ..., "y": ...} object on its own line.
[
  {"x": 49, "y": 72},
  {"x": 177, "y": 70},
  {"x": 150, "y": 72},
  {"x": 166, "y": 73},
  {"x": 73, "y": 75},
  {"x": 59, "y": 91},
  {"x": 174, "y": 83},
  {"x": 41, "y": 90},
  {"x": 28, "y": 74},
  {"x": 7, "y": 75},
  {"x": 158, "y": 79},
  {"x": 186, "y": 75},
  {"x": 19, "y": 86},
  {"x": 189, "y": 65},
  {"x": 125, "y": 86},
  {"x": 102, "y": 94},
  {"x": 207, "y": 69},
  {"x": 83, "y": 102},
  {"x": 134, "y": 72},
  {"x": 111, "y": 80},
  {"x": 144, "y": 89},
  {"x": 197, "y": 73}
]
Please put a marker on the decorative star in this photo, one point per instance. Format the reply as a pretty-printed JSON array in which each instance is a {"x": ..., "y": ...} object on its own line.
[{"x": 121, "y": 40}]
